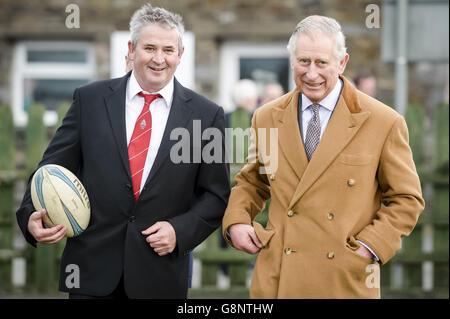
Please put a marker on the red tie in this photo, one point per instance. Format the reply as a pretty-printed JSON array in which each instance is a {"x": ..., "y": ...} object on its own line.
[{"x": 139, "y": 143}]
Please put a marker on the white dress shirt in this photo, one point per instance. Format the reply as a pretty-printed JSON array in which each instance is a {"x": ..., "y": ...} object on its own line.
[
  {"x": 326, "y": 108},
  {"x": 159, "y": 110}
]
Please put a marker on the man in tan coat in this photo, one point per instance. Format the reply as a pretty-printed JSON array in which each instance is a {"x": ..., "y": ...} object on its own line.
[{"x": 345, "y": 190}]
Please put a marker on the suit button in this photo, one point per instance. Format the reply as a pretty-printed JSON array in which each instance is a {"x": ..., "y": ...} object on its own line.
[
  {"x": 330, "y": 216},
  {"x": 289, "y": 251},
  {"x": 128, "y": 187},
  {"x": 351, "y": 182},
  {"x": 272, "y": 177},
  {"x": 290, "y": 213},
  {"x": 330, "y": 255},
  {"x": 132, "y": 219}
]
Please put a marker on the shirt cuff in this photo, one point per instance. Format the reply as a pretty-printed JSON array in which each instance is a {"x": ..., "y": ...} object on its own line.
[{"x": 375, "y": 257}]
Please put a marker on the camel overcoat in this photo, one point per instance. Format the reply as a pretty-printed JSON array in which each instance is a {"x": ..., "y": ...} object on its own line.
[{"x": 361, "y": 184}]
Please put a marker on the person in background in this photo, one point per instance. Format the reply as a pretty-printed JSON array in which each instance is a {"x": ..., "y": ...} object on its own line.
[
  {"x": 271, "y": 92},
  {"x": 345, "y": 190},
  {"x": 366, "y": 83},
  {"x": 245, "y": 98}
]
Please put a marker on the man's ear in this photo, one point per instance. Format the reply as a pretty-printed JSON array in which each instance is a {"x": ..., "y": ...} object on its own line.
[
  {"x": 130, "y": 51},
  {"x": 343, "y": 64}
]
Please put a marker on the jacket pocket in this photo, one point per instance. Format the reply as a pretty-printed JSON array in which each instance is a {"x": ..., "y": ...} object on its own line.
[
  {"x": 263, "y": 234},
  {"x": 355, "y": 159},
  {"x": 352, "y": 245}
]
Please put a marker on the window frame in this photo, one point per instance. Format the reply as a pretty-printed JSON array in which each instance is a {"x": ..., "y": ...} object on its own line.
[
  {"x": 22, "y": 69},
  {"x": 230, "y": 54}
]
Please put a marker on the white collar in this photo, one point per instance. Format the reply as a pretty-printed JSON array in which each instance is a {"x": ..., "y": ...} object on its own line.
[
  {"x": 166, "y": 92},
  {"x": 329, "y": 102}
]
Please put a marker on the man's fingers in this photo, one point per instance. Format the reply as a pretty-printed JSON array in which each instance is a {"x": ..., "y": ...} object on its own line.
[
  {"x": 51, "y": 235},
  {"x": 152, "y": 229},
  {"x": 161, "y": 237},
  {"x": 244, "y": 238},
  {"x": 37, "y": 215},
  {"x": 56, "y": 237},
  {"x": 255, "y": 239},
  {"x": 45, "y": 233},
  {"x": 154, "y": 241}
]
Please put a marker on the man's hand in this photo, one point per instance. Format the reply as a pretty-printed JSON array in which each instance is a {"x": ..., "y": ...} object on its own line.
[
  {"x": 43, "y": 235},
  {"x": 244, "y": 238},
  {"x": 161, "y": 237},
  {"x": 363, "y": 251}
]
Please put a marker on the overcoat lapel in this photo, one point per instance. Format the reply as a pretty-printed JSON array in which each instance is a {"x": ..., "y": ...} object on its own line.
[
  {"x": 289, "y": 138},
  {"x": 341, "y": 129},
  {"x": 115, "y": 106}
]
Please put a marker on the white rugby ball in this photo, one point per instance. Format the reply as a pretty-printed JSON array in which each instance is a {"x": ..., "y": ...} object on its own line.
[{"x": 61, "y": 194}]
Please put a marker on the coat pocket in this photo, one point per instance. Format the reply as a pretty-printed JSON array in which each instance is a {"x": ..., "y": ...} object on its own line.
[
  {"x": 263, "y": 234},
  {"x": 352, "y": 245},
  {"x": 355, "y": 159}
]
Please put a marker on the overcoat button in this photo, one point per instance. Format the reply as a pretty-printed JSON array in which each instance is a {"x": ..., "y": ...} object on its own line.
[{"x": 330, "y": 255}]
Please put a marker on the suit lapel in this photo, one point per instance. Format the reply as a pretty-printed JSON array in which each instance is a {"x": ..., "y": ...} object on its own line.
[
  {"x": 290, "y": 141},
  {"x": 180, "y": 114},
  {"x": 115, "y": 106},
  {"x": 341, "y": 129}
]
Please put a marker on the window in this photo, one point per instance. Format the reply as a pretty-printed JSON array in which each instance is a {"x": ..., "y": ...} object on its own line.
[
  {"x": 260, "y": 62},
  {"x": 47, "y": 72}
]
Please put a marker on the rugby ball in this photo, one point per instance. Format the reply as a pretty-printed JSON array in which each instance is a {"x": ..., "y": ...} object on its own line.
[{"x": 62, "y": 195}]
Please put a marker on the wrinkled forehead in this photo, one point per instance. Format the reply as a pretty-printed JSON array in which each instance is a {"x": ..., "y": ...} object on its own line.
[
  {"x": 160, "y": 32},
  {"x": 315, "y": 43}
]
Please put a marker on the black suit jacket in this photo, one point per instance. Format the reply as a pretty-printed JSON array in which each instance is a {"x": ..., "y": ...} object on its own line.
[{"x": 192, "y": 196}]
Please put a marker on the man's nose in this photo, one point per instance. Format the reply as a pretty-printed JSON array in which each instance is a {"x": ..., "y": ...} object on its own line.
[
  {"x": 158, "y": 57},
  {"x": 312, "y": 72}
]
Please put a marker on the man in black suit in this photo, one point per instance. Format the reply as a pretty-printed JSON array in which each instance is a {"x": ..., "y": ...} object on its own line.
[{"x": 141, "y": 230}]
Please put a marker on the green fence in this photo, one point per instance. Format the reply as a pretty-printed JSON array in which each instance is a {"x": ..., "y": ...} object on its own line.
[
  {"x": 42, "y": 264},
  {"x": 420, "y": 269}
]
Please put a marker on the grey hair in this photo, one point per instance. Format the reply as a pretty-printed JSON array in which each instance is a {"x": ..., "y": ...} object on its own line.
[
  {"x": 153, "y": 15},
  {"x": 325, "y": 25},
  {"x": 243, "y": 90}
]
